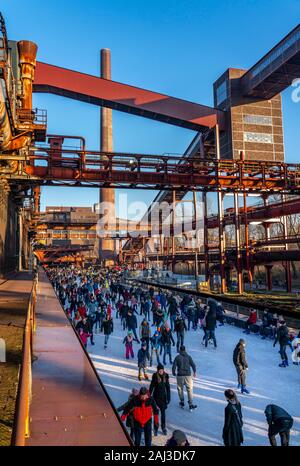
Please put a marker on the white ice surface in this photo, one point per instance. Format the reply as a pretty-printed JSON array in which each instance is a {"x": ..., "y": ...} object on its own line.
[{"x": 267, "y": 383}]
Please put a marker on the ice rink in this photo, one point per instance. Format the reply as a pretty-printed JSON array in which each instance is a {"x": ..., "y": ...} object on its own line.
[{"x": 267, "y": 383}]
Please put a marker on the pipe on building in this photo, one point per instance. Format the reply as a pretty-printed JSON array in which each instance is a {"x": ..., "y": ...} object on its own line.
[{"x": 27, "y": 60}]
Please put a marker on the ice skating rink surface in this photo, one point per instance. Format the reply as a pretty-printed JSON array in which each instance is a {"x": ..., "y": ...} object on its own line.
[{"x": 267, "y": 383}]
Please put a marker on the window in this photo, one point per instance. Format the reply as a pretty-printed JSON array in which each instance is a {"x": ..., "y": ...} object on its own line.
[
  {"x": 258, "y": 137},
  {"x": 257, "y": 120},
  {"x": 277, "y": 52},
  {"x": 221, "y": 93}
]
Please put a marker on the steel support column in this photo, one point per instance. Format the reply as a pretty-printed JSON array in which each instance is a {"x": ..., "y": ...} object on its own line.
[
  {"x": 248, "y": 263},
  {"x": 205, "y": 239},
  {"x": 269, "y": 276},
  {"x": 239, "y": 268},
  {"x": 221, "y": 219},
  {"x": 173, "y": 228},
  {"x": 288, "y": 276}
]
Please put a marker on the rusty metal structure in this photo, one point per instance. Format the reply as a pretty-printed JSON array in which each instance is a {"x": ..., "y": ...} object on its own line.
[{"x": 237, "y": 151}]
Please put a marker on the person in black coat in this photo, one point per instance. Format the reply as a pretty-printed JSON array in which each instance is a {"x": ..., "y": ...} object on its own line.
[
  {"x": 143, "y": 358},
  {"x": 180, "y": 328},
  {"x": 172, "y": 311},
  {"x": 210, "y": 323},
  {"x": 160, "y": 390},
  {"x": 282, "y": 336},
  {"x": 280, "y": 422},
  {"x": 108, "y": 328},
  {"x": 131, "y": 322},
  {"x": 166, "y": 341},
  {"x": 178, "y": 439},
  {"x": 232, "y": 430}
]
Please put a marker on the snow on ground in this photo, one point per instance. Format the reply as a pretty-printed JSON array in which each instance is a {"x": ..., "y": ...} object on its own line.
[{"x": 267, "y": 383}]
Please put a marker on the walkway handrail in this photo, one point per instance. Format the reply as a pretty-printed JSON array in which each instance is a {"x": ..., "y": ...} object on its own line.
[{"x": 21, "y": 421}]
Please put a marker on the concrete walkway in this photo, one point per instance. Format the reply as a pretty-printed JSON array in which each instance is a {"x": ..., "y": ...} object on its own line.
[{"x": 69, "y": 406}]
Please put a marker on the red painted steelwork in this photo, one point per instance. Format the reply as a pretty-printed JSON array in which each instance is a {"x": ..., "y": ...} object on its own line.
[
  {"x": 105, "y": 93},
  {"x": 275, "y": 210},
  {"x": 135, "y": 170}
]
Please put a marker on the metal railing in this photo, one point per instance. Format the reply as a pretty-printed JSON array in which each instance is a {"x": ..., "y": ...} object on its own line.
[{"x": 21, "y": 422}]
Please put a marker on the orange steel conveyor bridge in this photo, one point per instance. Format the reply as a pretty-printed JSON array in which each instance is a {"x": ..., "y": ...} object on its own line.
[{"x": 90, "y": 169}]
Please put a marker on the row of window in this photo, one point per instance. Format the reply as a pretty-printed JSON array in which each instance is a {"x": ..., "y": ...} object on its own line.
[
  {"x": 291, "y": 41},
  {"x": 259, "y": 137},
  {"x": 257, "y": 120}
]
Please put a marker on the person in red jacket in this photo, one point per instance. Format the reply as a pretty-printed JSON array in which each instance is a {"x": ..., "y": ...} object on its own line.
[
  {"x": 252, "y": 319},
  {"x": 84, "y": 335},
  {"x": 82, "y": 310},
  {"x": 143, "y": 408}
]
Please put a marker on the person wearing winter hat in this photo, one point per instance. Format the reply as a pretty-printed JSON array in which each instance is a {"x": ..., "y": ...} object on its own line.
[
  {"x": 241, "y": 365},
  {"x": 178, "y": 439},
  {"x": 129, "y": 419},
  {"x": 143, "y": 408},
  {"x": 145, "y": 332},
  {"x": 128, "y": 342},
  {"x": 155, "y": 344},
  {"x": 160, "y": 390},
  {"x": 143, "y": 357}
]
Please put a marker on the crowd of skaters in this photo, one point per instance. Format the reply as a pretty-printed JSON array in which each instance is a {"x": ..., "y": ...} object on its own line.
[{"x": 93, "y": 298}]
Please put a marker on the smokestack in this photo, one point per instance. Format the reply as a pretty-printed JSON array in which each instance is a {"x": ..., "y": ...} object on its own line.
[{"x": 106, "y": 246}]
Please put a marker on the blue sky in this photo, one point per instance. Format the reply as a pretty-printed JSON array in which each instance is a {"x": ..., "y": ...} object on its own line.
[{"x": 177, "y": 47}]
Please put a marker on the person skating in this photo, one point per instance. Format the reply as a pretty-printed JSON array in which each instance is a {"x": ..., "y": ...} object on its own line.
[
  {"x": 220, "y": 312},
  {"x": 282, "y": 337},
  {"x": 98, "y": 319},
  {"x": 129, "y": 418},
  {"x": 143, "y": 357},
  {"x": 84, "y": 335},
  {"x": 160, "y": 390},
  {"x": 178, "y": 439},
  {"x": 90, "y": 322},
  {"x": 131, "y": 322},
  {"x": 210, "y": 323},
  {"x": 183, "y": 364},
  {"x": 167, "y": 340},
  {"x": 241, "y": 365},
  {"x": 108, "y": 328},
  {"x": 143, "y": 408},
  {"x": 172, "y": 311},
  {"x": 280, "y": 422},
  {"x": 180, "y": 329},
  {"x": 123, "y": 313},
  {"x": 158, "y": 314},
  {"x": 265, "y": 328},
  {"x": 128, "y": 342},
  {"x": 232, "y": 430},
  {"x": 252, "y": 319},
  {"x": 145, "y": 332},
  {"x": 155, "y": 345},
  {"x": 86, "y": 325}
]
